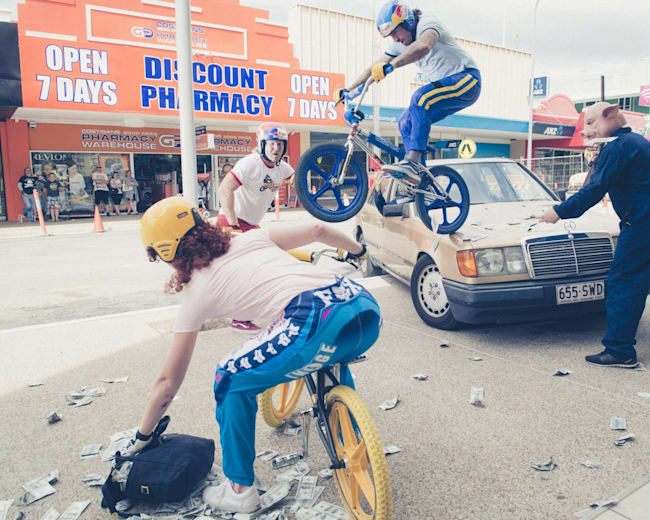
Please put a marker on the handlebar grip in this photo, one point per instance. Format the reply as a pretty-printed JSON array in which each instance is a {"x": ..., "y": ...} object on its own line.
[{"x": 354, "y": 93}]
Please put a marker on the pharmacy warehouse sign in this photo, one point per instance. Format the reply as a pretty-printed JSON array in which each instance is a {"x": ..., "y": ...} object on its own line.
[{"x": 120, "y": 56}]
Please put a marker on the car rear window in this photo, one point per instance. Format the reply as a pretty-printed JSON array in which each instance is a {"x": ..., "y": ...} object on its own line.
[{"x": 500, "y": 182}]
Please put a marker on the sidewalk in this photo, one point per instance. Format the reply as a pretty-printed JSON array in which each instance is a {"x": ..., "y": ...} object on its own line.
[
  {"x": 633, "y": 504},
  {"x": 113, "y": 223}
]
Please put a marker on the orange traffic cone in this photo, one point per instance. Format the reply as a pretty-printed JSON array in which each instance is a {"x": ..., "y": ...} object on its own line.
[{"x": 98, "y": 225}]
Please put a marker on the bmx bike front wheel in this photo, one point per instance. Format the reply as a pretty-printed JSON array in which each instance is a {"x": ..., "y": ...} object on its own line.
[
  {"x": 364, "y": 484},
  {"x": 316, "y": 188}
]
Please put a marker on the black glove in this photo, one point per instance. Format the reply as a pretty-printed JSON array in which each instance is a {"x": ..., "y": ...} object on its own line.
[{"x": 361, "y": 254}]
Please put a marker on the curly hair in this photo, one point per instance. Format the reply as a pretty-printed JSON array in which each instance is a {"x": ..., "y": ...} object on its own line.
[{"x": 202, "y": 244}]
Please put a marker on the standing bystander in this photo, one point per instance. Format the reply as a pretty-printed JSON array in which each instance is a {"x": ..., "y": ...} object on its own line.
[
  {"x": 26, "y": 185},
  {"x": 53, "y": 189},
  {"x": 249, "y": 188},
  {"x": 622, "y": 170},
  {"x": 100, "y": 189},
  {"x": 129, "y": 189},
  {"x": 115, "y": 189}
]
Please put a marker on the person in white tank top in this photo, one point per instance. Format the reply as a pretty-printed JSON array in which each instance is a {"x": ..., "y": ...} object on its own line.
[
  {"x": 250, "y": 273},
  {"x": 249, "y": 188}
]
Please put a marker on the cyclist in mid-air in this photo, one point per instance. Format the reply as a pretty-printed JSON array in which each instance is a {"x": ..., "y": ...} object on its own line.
[
  {"x": 454, "y": 79},
  {"x": 319, "y": 319}
]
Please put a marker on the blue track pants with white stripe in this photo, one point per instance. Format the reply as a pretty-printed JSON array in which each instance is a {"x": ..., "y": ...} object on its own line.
[
  {"x": 434, "y": 102},
  {"x": 319, "y": 328}
]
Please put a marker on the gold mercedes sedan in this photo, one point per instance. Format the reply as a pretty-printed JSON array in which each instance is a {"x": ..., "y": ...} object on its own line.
[{"x": 501, "y": 266}]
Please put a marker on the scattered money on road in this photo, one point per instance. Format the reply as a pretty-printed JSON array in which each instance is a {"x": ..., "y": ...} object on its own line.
[
  {"x": 92, "y": 450},
  {"x": 39, "y": 487},
  {"x": 644, "y": 394},
  {"x": 547, "y": 466},
  {"x": 617, "y": 423},
  {"x": 605, "y": 502},
  {"x": 4, "y": 507},
  {"x": 274, "y": 495},
  {"x": 626, "y": 438},
  {"x": 291, "y": 430},
  {"x": 303, "y": 467},
  {"x": 477, "y": 396},
  {"x": 285, "y": 460},
  {"x": 640, "y": 367},
  {"x": 267, "y": 455},
  {"x": 35, "y": 383},
  {"x": 420, "y": 377},
  {"x": 475, "y": 358},
  {"x": 84, "y": 396},
  {"x": 591, "y": 465},
  {"x": 306, "y": 487},
  {"x": 93, "y": 479},
  {"x": 325, "y": 473},
  {"x": 391, "y": 449},
  {"x": 562, "y": 372},
  {"x": 123, "y": 379},
  {"x": 389, "y": 404},
  {"x": 51, "y": 514},
  {"x": 53, "y": 417},
  {"x": 74, "y": 511},
  {"x": 119, "y": 441}
]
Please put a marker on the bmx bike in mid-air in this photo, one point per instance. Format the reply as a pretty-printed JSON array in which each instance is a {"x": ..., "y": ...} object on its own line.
[{"x": 333, "y": 186}]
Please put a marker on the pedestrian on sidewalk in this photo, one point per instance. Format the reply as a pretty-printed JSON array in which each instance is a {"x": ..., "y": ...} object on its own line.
[
  {"x": 53, "y": 189},
  {"x": 252, "y": 276},
  {"x": 622, "y": 170},
  {"x": 100, "y": 189},
  {"x": 26, "y": 186},
  {"x": 247, "y": 191},
  {"x": 115, "y": 189},
  {"x": 129, "y": 189}
]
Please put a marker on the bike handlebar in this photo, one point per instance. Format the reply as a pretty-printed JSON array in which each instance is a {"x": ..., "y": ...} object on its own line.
[{"x": 361, "y": 90}]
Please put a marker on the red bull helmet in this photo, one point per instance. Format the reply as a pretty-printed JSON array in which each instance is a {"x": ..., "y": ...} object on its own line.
[
  {"x": 271, "y": 132},
  {"x": 393, "y": 14}
]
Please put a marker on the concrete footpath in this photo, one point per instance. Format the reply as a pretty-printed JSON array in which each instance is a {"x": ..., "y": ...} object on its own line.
[{"x": 457, "y": 461}]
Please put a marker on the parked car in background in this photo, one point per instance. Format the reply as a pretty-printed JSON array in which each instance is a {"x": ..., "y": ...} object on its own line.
[{"x": 502, "y": 266}]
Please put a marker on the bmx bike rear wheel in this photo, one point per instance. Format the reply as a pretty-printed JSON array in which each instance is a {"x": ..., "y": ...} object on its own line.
[
  {"x": 449, "y": 215},
  {"x": 278, "y": 403}
]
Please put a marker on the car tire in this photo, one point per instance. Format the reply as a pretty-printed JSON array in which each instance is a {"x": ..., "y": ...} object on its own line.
[
  {"x": 428, "y": 295},
  {"x": 368, "y": 267}
]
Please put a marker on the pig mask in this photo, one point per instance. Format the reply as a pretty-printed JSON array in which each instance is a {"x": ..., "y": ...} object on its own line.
[{"x": 602, "y": 120}]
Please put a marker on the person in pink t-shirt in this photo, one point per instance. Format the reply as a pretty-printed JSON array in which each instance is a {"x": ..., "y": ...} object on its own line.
[
  {"x": 250, "y": 187},
  {"x": 319, "y": 319}
]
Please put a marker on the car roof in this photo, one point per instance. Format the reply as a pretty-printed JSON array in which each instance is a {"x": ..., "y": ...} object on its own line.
[{"x": 437, "y": 162}]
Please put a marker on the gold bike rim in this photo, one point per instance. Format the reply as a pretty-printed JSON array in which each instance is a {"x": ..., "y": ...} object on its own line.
[
  {"x": 285, "y": 398},
  {"x": 355, "y": 481}
]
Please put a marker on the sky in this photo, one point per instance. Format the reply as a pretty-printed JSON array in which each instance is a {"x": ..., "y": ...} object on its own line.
[{"x": 574, "y": 38}]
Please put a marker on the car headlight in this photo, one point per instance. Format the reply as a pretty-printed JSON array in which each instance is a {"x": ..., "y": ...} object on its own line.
[
  {"x": 515, "y": 262},
  {"x": 489, "y": 261}
]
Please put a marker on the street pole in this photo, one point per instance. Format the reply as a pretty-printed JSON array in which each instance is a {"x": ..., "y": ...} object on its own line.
[
  {"x": 375, "y": 91},
  {"x": 529, "y": 154},
  {"x": 186, "y": 99}
]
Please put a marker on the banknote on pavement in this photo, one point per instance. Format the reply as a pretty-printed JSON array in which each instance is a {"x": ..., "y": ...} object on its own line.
[
  {"x": 51, "y": 514},
  {"x": 74, "y": 511},
  {"x": 4, "y": 507}
]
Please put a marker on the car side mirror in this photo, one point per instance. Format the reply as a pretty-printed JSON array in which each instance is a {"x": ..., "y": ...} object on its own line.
[{"x": 396, "y": 210}]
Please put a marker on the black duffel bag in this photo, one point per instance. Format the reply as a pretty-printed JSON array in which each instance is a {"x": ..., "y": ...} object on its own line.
[{"x": 167, "y": 470}]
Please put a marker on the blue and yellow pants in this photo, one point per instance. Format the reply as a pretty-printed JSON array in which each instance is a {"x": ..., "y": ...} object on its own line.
[{"x": 319, "y": 328}]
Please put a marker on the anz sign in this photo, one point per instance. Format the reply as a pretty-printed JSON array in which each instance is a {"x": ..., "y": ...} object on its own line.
[{"x": 553, "y": 130}]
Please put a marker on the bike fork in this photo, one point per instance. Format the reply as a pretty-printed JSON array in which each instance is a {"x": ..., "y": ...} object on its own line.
[{"x": 349, "y": 146}]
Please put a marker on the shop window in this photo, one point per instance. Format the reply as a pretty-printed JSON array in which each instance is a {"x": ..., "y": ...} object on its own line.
[{"x": 625, "y": 103}]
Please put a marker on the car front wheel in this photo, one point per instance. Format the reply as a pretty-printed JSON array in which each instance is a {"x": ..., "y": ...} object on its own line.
[{"x": 429, "y": 297}]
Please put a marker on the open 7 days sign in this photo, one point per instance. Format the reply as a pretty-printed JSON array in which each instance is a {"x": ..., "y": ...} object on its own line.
[{"x": 122, "y": 58}]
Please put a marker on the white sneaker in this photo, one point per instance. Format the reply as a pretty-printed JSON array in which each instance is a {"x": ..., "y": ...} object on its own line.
[{"x": 224, "y": 498}]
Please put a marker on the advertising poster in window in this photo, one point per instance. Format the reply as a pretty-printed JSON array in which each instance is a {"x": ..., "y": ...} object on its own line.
[{"x": 74, "y": 172}]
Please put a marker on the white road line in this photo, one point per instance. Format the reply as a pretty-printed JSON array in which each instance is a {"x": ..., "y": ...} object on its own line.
[{"x": 93, "y": 318}]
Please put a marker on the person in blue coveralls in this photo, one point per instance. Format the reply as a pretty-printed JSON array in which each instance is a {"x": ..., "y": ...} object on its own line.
[
  {"x": 622, "y": 170},
  {"x": 318, "y": 318},
  {"x": 454, "y": 81}
]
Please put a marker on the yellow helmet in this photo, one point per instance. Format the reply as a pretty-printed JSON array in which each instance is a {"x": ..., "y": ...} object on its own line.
[{"x": 166, "y": 222}]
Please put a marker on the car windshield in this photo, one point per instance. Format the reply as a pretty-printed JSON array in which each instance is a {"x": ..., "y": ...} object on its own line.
[{"x": 500, "y": 182}]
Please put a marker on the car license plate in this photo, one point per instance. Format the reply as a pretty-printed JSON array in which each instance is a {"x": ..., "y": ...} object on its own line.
[{"x": 580, "y": 292}]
